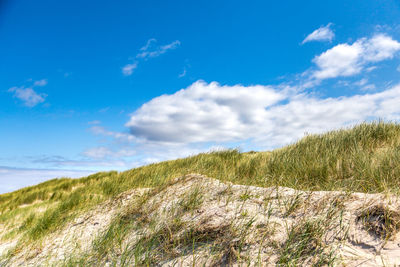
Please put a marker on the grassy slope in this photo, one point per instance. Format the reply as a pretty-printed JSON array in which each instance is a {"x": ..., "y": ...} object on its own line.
[{"x": 365, "y": 158}]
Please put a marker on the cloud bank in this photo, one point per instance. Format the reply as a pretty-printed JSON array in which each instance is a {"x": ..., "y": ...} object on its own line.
[{"x": 264, "y": 115}]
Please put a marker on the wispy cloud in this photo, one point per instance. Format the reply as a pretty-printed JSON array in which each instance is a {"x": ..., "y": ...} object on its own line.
[
  {"x": 82, "y": 162},
  {"x": 95, "y": 122},
  {"x": 149, "y": 50},
  {"x": 185, "y": 69},
  {"x": 120, "y": 137},
  {"x": 28, "y": 95},
  {"x": 104, "y": 152},
  {"x": 104, "y": 110},
  {"x": 128, "y": 69},
  {"x": 182, "y": 74},
  {"x": 40, "y": 82},
  {"x": 148, "y": 44},
  {"x": 364, "y": 85},
  {"x": 324, "y": 33}
]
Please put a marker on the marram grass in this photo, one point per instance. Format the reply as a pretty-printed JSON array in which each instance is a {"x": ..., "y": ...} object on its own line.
[{"x": 365, "y": 158}]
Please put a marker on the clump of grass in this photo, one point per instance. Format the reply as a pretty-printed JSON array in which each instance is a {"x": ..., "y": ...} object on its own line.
[
  {"x": 304, "y": 241},
  {"x": 245, "y": 196},
  {"x": 51, "y": 217},
  {"x": 234, "y": 243},
  {"x": 27, "y": 222},
  {"x": 192, "y": 200},
  {"x": 380, "y": 220},
  {"x": 111, "y": 241},
  {"x": 291, "y": 204},
  {"x": 109, "y": 245},
  {"x": 310, "y": 240}
]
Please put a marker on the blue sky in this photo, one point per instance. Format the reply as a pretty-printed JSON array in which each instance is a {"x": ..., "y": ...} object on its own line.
[{"x": 93, "y": 85}]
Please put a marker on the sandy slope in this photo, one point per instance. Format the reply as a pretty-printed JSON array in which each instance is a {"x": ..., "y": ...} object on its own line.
[{"x": 236, "y": 225}]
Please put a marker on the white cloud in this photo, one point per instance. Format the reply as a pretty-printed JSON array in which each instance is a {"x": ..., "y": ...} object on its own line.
[
  {"x": 203, "y": 113},
  {"x": 369, "y": 87},
  {"x": 365, "y": 85},
  {"x": 128, "y": 69},
  {"x": 262, "y": 115},
  {"x": 151, "y": 50},
  {"x": 121, "y": 137},
  {"x": 97, "y": 152},
  {"x": 28, "y": 96},
  {"x": 104, "y": 152},
  {"x": 380, "y": 47},
  {"x": 183, "y": 74},
  {"x": 347, "y": 60},
  {"x": 148, "y": 44},
  {"x": 42, "y": 82},
  {"x": 341, "y": 60},
  {"x": 324, "y": 33},
  {"x": 369, "y": 69},
  {"x": 361, "y": 82},
  {"x": 84, "y": 163}
]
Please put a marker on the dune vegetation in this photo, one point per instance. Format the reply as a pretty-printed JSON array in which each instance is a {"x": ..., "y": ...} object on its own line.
[{"x": 364, "y": 158}]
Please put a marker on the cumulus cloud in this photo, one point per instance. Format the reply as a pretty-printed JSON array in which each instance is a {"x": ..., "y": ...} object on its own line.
[
  {"x": 203, "y": 112},
  {"x": 350, "y": 59},
  {"x": 324, "y": 33},
  {"x": 28, "y": 96},
  {"x": 262, "y": 115}
]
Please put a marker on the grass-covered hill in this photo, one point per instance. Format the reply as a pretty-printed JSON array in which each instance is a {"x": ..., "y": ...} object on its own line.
[{"x": 365, "y": 158}]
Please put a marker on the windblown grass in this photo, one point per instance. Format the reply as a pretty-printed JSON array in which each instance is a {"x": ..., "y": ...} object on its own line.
[{"x": 365, "y": 158}]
